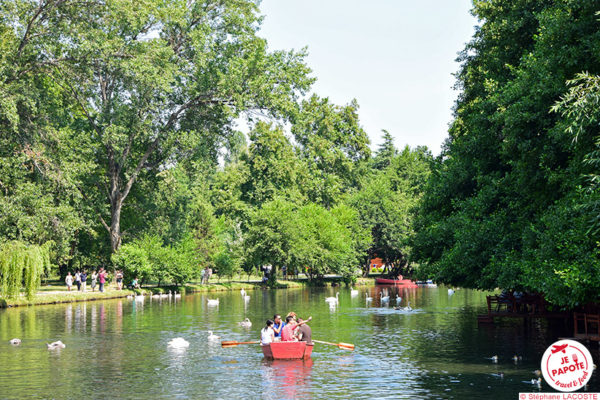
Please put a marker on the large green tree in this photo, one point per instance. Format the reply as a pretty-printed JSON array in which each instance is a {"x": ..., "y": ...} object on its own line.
[
  {"x": 507, "y": 181},
  {"x": 150, "y": 81}
]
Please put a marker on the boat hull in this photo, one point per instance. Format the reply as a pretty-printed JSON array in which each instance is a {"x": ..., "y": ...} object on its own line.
[
  {"x": 407, "y": 283},
  {"x": 287, "y": 351}
]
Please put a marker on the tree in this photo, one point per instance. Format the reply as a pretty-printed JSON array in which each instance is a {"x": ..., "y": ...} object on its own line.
[
  {"x": 22, "y": 265},
  {"x": 334, "y": 146},
  {"x": 509, "y": 175},
  {"x": 149, "y": 81},
  {"x": 385, "y": 153}
]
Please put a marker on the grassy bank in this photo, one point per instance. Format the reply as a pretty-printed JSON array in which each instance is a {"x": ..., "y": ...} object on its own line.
[{"x": 54, "y": 293}]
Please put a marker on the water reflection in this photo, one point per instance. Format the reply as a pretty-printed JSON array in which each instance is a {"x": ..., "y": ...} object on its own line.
[
  {"x": 119, "y": 348},
  {"x": 287, "y": 378}
]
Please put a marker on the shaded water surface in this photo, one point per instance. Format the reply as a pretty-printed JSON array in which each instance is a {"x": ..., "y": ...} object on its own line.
[{"x": 118, "y": 348}]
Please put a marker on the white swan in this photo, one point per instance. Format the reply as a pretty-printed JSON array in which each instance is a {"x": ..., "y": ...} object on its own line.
[
  {"x": 368, "y": 299},
  {"x": 450, "y": 292},
  {"x": 408, "y": 307},
  {"x": 56, "y": 345},
  {"x": 15, "y": 342},
  {"x": 242, "y": 292},
  {"x": 353, "y": 292},
  {"x": 384, "y": 299},
  {"x": 334, "y": 300},
  {"x": 246, "y": 298},
  {"x": 211, "y": 337},
  {"x": 179, "y": 343},
  {"x": 494, "y": 359},
  {"x": 246, "y": 323},
  {"x": 398, "y": 299},
  {"x": 213, "y": 302},
  {"x": 177, "y": 295}
]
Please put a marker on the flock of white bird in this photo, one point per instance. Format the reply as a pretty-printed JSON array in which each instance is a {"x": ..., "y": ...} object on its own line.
[{"x": 384, "y": 299}]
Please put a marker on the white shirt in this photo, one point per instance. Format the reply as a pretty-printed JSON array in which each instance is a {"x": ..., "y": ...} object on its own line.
[{"x": 267, "y": 335}]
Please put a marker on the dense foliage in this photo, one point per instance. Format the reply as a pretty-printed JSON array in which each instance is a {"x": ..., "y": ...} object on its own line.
[
  {"x": 119, "y": 146},
  {"x": 22, "y": 265},
  {"x": 509, "y": 203}
]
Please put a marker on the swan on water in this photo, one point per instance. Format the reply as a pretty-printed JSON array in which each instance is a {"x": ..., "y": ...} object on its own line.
[
  {"x": 246, "y": 323},
  {"x": 246, "y": 298},
  {"x": 177, "y": 295},
  {"x": 408, "y": 307},
  {"x": 384, "y": 299},
  {"x": 242, "y": 292},
  {"x": 494, "y": 359},
  {"x": 213, "y": 302},
  {"x": 398, "y": 299},
  {"x": 368, "y": 299},
  {"x": 450, "y": 292},
  {"x": 179, "y": 343},
  {"x": 333, "y": 300},
  {"x": 56, "y": 345},
  {"x": 15, "y": 342},
  {"x": 212, "y": 337},
  {"x": 353, "y": 292}
]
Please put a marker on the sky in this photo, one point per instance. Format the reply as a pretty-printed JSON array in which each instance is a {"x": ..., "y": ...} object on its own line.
[{"x": 395, "y": 57}]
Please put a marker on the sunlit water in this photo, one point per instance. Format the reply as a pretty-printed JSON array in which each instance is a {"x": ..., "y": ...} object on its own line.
[{"x": 118, "y": 349}]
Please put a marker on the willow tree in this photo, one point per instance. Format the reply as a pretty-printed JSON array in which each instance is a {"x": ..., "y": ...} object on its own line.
[
  {"x": 150, "y": 82},
  {"x": 22, "y": 266}
]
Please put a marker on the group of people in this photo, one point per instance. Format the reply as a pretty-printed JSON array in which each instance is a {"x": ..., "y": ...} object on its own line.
[
  {"x": 292, "y": 330},
  {"x": 206, "y": 274},
  {"x": 80, "y": 279}
]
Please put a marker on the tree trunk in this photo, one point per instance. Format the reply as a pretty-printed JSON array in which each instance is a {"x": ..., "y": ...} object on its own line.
[{"x": 115, "y": 228}]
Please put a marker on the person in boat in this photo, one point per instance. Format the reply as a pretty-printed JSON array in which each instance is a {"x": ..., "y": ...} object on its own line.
[
  {"x": 289, "y": 331},
  {"x": 304, "y": 332},
  {"x": 278, "y": 325},
  {"x": 267, "y": 335}
]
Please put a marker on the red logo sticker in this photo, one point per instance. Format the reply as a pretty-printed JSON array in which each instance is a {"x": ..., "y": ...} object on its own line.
[{"x": 567, "y": 365}]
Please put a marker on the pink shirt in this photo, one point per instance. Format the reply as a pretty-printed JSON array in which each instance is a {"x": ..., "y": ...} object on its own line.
[
  {"x": 102, "y": 277},
  {"x": 287, "y": 333}
]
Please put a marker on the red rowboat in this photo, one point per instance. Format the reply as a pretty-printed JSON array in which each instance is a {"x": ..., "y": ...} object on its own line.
[
  {"x": 287, "y": 351},
  {"x": 407, "y": 283}
]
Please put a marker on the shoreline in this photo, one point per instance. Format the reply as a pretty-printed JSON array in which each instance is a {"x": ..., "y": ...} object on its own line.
[{"x": 63, "y": 296}]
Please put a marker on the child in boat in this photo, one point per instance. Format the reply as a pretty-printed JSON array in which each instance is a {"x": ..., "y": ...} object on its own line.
[{"x": 267, "y": 335}]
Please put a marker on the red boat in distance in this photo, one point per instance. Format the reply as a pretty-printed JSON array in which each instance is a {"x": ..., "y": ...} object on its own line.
[
  {"x": 287, "y": 351},
  {"x": 405, "y": 283}
]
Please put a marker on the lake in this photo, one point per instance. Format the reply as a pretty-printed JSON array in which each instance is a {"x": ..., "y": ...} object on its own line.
[{"x": 118, "y": 348}]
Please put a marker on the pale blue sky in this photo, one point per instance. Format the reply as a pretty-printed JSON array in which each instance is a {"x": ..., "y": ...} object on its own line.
[{"x": 396, "y": 57}]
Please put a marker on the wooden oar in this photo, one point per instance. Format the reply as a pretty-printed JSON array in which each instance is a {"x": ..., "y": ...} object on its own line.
[
  {"x": 347, "y": 346},
  {"x": 231, "y": 343}
]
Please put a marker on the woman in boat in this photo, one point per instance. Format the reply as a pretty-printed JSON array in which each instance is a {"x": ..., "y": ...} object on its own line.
[{"x": 267, "y": 335}]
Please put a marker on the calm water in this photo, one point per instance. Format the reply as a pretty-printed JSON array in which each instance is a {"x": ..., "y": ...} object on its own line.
[{"x": 118, "y": 349}]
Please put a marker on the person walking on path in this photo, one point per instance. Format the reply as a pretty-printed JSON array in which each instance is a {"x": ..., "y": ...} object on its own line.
[
  {"x": 119, "y": 278},
  {"x": 94, "y": 280},
  {"x": 69, "y": 281},
  {"x": 78, "y": 280},
  {"x": 83, "y": 277},
  {"x": 102, "y": 279}
]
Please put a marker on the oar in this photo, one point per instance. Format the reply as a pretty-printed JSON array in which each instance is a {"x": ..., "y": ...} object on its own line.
[
  {"x": 347, "y": 346},
  {"x": 231, "y": 343}
]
